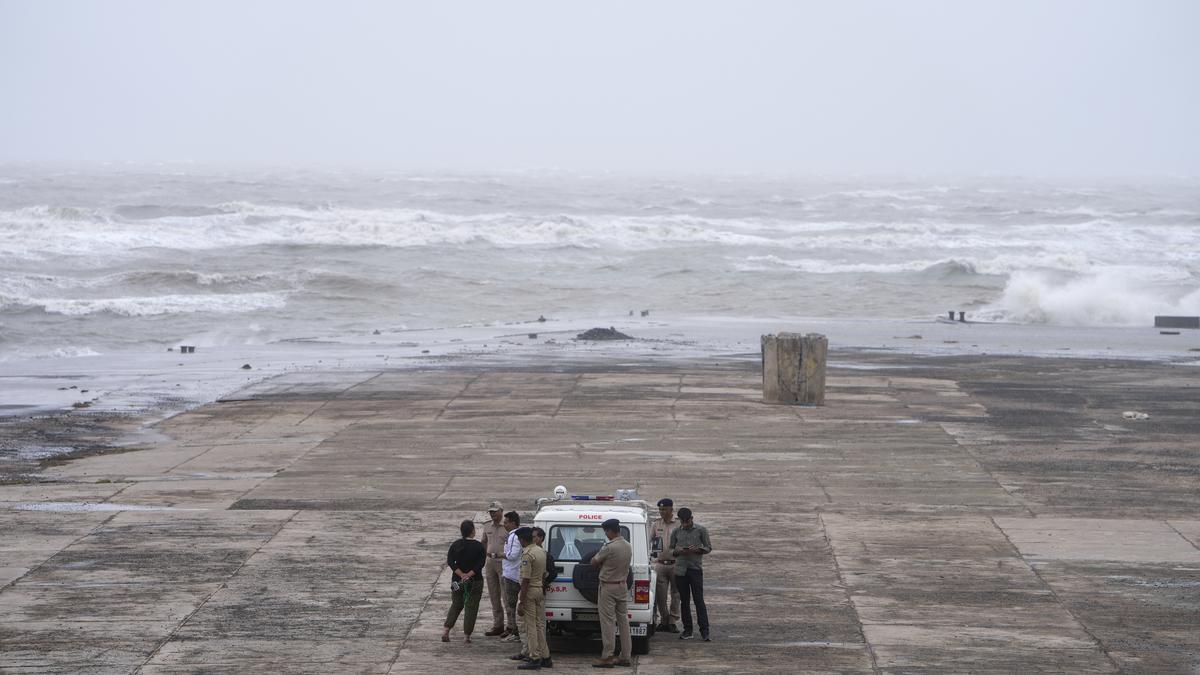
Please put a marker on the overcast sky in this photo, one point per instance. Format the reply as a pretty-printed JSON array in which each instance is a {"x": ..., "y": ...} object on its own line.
[{"x": 1005, "y": 86}]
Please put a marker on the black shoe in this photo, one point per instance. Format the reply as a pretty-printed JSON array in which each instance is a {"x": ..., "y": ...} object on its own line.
[
  {"x": 530, "y": 665},
  {"x": 547, "y": 662},
  {"x": 685, "y": 635},
  {"x": 672, "y": 628},
  {"x": 705, "y": 637},
  {"x": 519, "y": 657}
]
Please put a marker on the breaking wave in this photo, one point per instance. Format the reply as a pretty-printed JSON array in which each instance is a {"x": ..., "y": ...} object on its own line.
[
  {"x": 148, "y": 305},
  {"x": 35, "y": 233},
  {"x": 1107, "y": 298}
]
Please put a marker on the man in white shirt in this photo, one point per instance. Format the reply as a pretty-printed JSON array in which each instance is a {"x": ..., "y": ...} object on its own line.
[{"x": 511, "y": 571}]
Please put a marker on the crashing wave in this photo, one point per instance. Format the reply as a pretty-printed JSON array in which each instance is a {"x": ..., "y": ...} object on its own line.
[
  {"x": 159, "y": 304},
  {"x": 1107, "y": 298}
]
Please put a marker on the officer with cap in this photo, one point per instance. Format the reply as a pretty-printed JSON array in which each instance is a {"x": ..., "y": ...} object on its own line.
[
  {"x": 493, "y": 538},
  {"x": 614, "y": 560},
  {"x": 531, "y": 602},
  {"x": 666, "y": 594}
]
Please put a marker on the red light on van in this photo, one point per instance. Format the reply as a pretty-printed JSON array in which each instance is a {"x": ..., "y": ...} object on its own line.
[{"x": 641, "y": 591}]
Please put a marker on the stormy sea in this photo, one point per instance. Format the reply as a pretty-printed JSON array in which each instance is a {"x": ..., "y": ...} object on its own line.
[
  {"x": 106, "y": 271},
  {"x": 115, "y": 259}
]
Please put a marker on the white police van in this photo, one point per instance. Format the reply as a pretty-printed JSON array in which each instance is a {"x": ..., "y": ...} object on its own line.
[{"x": 573, "y": 536}]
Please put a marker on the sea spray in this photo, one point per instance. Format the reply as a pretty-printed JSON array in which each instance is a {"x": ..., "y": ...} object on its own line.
[{"x": 1105, "y": 298}]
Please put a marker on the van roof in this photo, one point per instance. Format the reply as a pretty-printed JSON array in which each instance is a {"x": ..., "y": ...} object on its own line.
[{"x": 569, "y": 512}]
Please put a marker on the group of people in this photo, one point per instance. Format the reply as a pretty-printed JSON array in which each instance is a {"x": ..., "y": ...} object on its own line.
[{"x": 518, "y": 571}]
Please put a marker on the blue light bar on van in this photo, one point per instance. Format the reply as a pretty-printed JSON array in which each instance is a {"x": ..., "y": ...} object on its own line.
[{"x": 592, "y": 498}]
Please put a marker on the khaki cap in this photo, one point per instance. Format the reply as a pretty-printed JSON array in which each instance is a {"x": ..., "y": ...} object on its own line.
[{"x": 495, "y": 506}]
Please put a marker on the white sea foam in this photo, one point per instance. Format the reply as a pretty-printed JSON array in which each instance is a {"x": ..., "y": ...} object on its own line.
[
  {"x": 1106, "y": 298},
  {"x": 819, "y": 266},
  {"x": 35, "y": 233},
  {"x": 161, "y": 304},
  {"x": 29, "y": 285},
  {"x": 68, "y": 353},
  {"x": 996, "y": 265}
]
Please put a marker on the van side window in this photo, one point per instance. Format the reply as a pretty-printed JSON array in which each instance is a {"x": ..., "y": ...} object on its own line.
[{"x": 570, "y": 543}]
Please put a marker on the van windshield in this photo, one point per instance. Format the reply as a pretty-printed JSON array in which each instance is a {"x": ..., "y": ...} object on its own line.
[{"x": 570, "y": 543}]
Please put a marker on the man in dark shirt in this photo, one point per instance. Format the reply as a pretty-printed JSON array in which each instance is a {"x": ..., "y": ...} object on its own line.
[
  {"x": 465, "y": 560},
  {"x": 689, "y": 543}
]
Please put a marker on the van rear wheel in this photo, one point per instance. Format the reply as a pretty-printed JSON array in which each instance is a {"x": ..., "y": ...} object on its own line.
[{"x": 641, "y": 645}]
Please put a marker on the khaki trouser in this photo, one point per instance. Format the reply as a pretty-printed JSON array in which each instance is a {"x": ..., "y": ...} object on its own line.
[
  {"x": 533, "y": 623},
  {"x": 495, "y": 589},
  {"x": 666, "y": 595},
  {"x": 614, "y": 610}
]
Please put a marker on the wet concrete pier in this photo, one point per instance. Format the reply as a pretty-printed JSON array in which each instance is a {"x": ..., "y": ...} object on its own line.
[{"x": 937, "y": 514}]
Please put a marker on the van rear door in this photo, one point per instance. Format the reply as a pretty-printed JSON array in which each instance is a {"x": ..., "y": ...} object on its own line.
[{"x": 569, "y": 543}]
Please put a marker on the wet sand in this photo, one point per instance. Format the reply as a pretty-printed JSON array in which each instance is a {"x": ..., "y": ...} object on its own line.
[{"x": 940, "y": 513}]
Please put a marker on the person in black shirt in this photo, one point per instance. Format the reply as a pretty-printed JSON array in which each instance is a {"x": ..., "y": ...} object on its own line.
[{"x": 465, "y": 559}]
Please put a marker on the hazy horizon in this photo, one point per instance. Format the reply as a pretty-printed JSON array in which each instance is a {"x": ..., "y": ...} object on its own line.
[
  {"x": 382, "y": 168},
  {"x": 1067, "y": 89}
]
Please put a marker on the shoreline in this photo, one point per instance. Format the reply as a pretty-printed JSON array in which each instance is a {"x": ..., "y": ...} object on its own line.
[{"x": 59, "y": 409}]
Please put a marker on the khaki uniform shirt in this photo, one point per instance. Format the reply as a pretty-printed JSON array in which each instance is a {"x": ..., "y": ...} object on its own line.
[
  {"x": 533, "y": 565},
  {"x": 493, "y": 538},
  {"x": 615, "y": 556},
  {"x": 661, "y": 530}
]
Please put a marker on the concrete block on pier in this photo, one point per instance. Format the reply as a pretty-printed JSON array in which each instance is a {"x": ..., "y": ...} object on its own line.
[{"x": 793, "y": 368}]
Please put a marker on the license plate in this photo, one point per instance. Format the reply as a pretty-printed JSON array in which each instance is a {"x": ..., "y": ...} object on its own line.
[
  {"x": 586, "y": 616},
  {"x": 638, "y": 630}
]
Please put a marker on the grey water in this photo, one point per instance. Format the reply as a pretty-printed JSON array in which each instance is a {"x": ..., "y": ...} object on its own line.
[{"x": 113, "y": 257}]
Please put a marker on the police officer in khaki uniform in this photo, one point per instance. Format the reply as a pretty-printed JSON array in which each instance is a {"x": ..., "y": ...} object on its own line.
[
  {"x": 531, "y": 602},
  {"x": 493, "y": 537},
  {"x": 614, "y": 559},
  {"x": 666, "y": 594}
]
